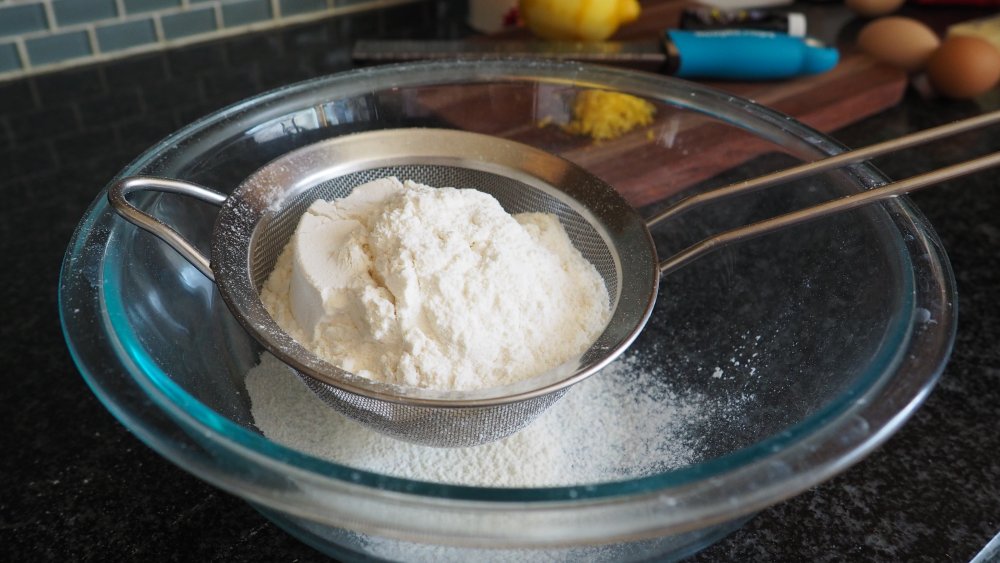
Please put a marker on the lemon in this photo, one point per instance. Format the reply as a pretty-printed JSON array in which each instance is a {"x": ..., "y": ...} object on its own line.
[{"x": 584, "y": 20}]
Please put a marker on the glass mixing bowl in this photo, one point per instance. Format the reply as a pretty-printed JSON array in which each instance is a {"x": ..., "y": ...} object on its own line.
[{"x": 821, "y": 339}]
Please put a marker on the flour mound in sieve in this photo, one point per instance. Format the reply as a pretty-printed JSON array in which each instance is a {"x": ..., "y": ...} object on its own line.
[{"x": 435, "y": 287}]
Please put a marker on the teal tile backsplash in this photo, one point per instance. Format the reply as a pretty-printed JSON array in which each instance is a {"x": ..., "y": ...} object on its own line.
[
  {"x": 38, "y": 36},
  {"x": 190, "y": 23},
  {"x": 69, "y": 12},
  {"x": 9, "y": 59},
  {"x": 245, "y": 12},
  {"x": 18, "y": 19},
  {"x": 291, "y": 7},
  {"x": 140, "y": 6},
  {"x": 119, "y": 36},
  {"x": 59, "y": 47}
]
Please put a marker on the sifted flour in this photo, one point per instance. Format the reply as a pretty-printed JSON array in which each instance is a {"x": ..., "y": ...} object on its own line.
[
  {"x": 624, "y": 422},
  {"x": 437, "y": 288}
]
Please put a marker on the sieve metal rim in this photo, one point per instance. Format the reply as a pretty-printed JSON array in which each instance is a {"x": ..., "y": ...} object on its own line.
[{"x": 298, "y": 170}]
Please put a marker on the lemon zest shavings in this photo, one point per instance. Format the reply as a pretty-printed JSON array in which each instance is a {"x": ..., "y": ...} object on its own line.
[{"x": 607, "y": 115}]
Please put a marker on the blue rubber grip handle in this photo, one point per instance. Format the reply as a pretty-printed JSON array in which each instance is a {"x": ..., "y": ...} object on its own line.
[{"x": 747, "y": 55}]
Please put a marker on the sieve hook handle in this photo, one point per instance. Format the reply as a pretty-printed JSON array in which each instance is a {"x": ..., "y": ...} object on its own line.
[{"x": 118, "y": 197}]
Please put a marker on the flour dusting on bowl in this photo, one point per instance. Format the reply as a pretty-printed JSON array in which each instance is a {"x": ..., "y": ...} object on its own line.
[{"x": 625, "y": 422}]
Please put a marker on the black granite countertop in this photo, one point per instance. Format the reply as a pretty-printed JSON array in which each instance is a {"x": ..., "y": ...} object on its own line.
[{"x": 76, "y": 485}]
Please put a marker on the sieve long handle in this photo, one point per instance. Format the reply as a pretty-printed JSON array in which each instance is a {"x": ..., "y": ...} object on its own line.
[
  {"x": 873, "y": 195},
  {"x": 118, "y": 197},
  {"x": 828, "y": 163}
]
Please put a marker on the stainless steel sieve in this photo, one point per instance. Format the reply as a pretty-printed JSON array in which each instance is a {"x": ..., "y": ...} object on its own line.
[{"x": 257, "y": 220}]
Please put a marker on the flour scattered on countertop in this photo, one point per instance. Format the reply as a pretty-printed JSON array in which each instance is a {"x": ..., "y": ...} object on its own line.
[
  {"x": 435, "y": 287},
  {"x": 624, "y": 422}
]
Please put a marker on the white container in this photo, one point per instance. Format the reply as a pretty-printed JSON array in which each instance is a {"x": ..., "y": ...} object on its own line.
[{"x": 490, "y": 16}]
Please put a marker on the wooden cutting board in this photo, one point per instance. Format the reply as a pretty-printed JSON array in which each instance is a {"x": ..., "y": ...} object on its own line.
[
  {"x": 856, "y": 88},
  {"x": 688, "y": 149}
]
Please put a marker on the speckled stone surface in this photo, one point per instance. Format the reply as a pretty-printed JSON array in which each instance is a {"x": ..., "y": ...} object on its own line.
[
  {"x": 932, "y": 493},
  {"x": 77, "y": 486}
]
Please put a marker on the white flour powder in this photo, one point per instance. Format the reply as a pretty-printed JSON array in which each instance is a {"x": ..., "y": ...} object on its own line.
[
  {"x": 623, "y": 422},
  {"x": 437, "y": 288}
]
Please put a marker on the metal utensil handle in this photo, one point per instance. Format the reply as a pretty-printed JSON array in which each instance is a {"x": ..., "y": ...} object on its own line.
[
  {"x": 829, "y": 163},
  {"x": 118, "y": 197},
  {"x": 829, "y": 208}
]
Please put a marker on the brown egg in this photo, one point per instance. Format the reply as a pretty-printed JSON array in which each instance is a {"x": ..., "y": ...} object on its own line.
[
  {"x": 902, "y": 42},
  {"x": 964, "y": 67},
  {"x": 873, "y": 8}
]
